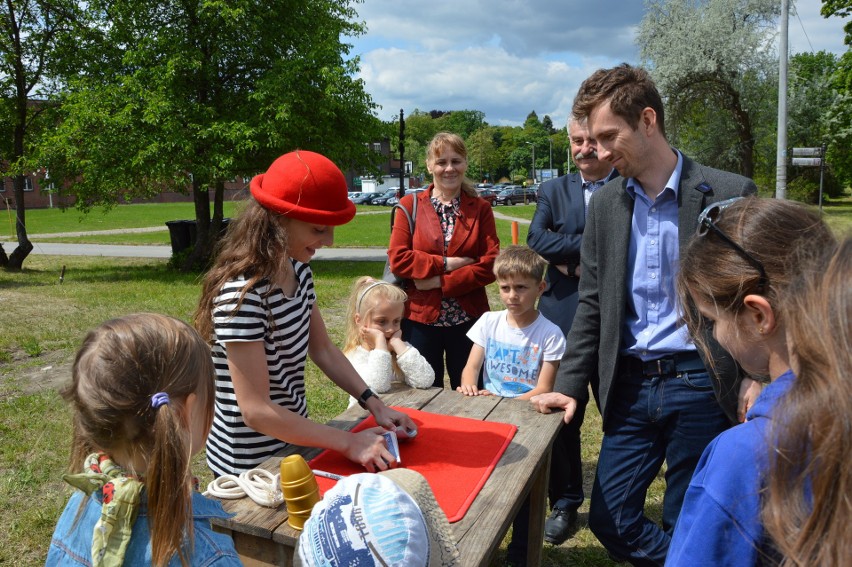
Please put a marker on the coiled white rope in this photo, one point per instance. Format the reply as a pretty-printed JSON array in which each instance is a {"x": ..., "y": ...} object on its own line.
[{"x": 260, "y": 485}]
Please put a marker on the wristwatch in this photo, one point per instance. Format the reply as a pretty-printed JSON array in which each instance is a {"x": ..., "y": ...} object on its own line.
[{"x": 365, "y": 395}]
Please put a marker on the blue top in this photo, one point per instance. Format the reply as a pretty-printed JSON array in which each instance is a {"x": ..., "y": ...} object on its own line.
[
  {"x": 652, "y": 328},
  {"x": 719, "y": 523},
  {"x": 71, "y": 544}
]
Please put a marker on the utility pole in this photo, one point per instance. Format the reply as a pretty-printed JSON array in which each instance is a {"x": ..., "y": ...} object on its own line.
[
  {"x": 781, "y": 143},
  {"x": 551, "y": 152},
  {"x": 401, "y": 155}
]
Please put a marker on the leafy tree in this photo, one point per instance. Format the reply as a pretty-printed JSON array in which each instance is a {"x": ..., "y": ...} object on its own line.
[
  {"x": 482, "y": 154},
  {"x": 839, "y": 116},
  {"x": 811, "y": 97},
  {"x": 714, "y": 63},
  {"x": 30, "y": 36},
  {"x": 547, "y": 122},
  {"x": 841, "y": 9},
  {"x": 189, "y": 93}
]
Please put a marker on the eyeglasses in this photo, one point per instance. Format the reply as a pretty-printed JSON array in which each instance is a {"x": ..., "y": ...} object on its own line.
[{"x": 707, "y": 221}]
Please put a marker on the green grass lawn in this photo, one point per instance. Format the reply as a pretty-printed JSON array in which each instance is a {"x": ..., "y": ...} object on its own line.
[
  {"x": 44, "y": 321},
  {"x": 369, "y": 228}
]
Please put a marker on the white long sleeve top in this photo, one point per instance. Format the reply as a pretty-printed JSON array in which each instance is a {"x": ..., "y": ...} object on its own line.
[{"x": 376, "y": 369}]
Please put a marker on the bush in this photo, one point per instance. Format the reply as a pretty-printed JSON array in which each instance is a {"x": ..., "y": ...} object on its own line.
[{"x": 803, "y": 190}]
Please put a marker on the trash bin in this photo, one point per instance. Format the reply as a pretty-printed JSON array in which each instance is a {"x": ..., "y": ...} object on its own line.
[
  {"x": 181, "y": 234},
  {"x": 224, "y": 228}
]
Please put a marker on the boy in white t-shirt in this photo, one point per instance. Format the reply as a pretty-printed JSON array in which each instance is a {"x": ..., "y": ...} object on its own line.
[
  {"x": 519, "y": 347},
  {"x": 520, "y": 350}
]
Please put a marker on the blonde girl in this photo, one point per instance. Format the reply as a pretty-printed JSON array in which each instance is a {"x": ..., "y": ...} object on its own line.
[
  {"x": 735, "y": 277},
  {"x": 258, "y": 309},
  {"x": 374, "y": 342},
  {"x": 142, "y": 398}
]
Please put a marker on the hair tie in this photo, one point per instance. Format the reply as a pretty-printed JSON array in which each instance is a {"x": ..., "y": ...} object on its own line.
[
  {"x": 363, "y": 293},
  {"x": 159, "y": 399}
]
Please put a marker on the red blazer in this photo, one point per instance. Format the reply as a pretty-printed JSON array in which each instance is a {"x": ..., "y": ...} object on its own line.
[{"x": 475, "y": 236}]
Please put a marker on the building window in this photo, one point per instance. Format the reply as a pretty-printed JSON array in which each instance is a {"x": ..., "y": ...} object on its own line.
[
  {"x": 28, "y": 184},
  {"x": 377, "y": 146}
]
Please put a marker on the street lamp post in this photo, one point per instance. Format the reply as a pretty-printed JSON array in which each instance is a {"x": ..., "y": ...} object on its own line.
[
  {"x": 533, "y": 161},
  {"x": 551, "y": 155}
]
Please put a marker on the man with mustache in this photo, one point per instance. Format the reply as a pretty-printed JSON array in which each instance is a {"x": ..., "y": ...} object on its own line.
[{"x": 556, "y": 232}]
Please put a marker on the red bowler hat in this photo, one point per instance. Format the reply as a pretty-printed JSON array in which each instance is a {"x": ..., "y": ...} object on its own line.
[{"x": 306, "y": 186}]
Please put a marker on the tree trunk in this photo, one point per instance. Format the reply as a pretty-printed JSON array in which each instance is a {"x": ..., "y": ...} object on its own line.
[
  {"x": 198, "y": 258},
  {"x": 16, "y": 259},
  {"x": 744, "y": 131}
]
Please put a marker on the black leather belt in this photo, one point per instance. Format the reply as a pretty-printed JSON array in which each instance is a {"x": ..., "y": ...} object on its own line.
[{"x": 665, "y": 366}]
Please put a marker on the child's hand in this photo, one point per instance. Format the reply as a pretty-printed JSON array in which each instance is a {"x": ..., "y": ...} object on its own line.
[
  {"x": 472, "y": 390},
  {"x": 396, "y": 343},
  {"x": 373, "y": 338}
]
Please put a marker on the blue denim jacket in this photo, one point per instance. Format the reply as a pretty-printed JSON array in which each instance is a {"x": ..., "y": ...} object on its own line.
[{"x": 72, "y": 539}]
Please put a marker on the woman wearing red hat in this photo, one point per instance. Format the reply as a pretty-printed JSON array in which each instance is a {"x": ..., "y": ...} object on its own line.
[
  {"x": 258, "y": 309},
  {"x": 449, "y": 259}
]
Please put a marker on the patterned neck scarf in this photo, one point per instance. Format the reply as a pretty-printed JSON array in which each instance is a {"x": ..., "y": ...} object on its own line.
[{"x": 121, "y": 497}]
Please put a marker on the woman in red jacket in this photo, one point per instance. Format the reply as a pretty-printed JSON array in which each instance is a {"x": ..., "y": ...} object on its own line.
[{"x": 449, "y": 260}]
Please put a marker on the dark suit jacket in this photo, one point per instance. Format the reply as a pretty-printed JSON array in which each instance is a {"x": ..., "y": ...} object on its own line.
[
  {"x": 556, "y": 233},
  {"x": 595, "y": 337}
]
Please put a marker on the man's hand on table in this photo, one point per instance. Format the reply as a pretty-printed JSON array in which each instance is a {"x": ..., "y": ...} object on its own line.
[{"x": 546, "y": 403}]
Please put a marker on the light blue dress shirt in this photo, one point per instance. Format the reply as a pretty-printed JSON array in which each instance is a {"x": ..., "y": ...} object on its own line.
[{"x": 651, "y": 329}]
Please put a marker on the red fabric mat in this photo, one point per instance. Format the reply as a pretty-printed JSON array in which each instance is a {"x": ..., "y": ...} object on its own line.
[{"x": 455, "y": 454}]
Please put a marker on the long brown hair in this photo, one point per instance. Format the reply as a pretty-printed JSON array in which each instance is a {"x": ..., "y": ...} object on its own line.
[
  {"x": 775, "y": 232},
  {"x": 807, "y": 506},
  {"x": 119, "y": 367},
  {"x": 444, "y": 140},
  {"x": 254, "y": 247}
]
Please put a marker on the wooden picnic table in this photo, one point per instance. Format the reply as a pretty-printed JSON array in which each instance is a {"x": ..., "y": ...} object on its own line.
[{"x": 262, "y": 536}]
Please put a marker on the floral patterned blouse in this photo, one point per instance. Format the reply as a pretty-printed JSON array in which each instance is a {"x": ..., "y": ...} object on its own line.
[{"x": 451, "y": 312}]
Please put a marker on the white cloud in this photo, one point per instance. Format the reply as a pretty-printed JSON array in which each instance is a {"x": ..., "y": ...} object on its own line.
[{"x": 510, "y": 57}]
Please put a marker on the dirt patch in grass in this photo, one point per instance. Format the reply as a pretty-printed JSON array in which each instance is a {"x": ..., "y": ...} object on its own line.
[{"x": 27, "y": 375}]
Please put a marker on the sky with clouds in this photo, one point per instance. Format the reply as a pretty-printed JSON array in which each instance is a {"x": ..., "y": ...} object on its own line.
[{"x": 510, "y": 57}]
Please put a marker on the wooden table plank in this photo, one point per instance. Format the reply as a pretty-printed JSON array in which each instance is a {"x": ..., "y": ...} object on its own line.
[{"x": 498, "y": 502}]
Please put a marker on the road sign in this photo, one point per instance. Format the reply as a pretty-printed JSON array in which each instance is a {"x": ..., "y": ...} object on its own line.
[
  {"x": 807, "y": 152},
  {"x": 806, "y": 161}
]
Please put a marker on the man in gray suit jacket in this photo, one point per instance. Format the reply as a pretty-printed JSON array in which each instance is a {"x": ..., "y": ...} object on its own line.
[
  {"x": 556, "y": 232},
  {"x": 655, "y": 393}
]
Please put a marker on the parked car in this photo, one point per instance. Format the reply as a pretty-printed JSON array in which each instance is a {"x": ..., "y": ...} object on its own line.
[
  {"x": 394, "y": 200},
  {"x": 489, "y": 195},
  {"x": 364, "y": 198},
  {"x": 353, "y": 194},
  {"x": 516, "y": 194},
  {"x": 383, "y": 198}
]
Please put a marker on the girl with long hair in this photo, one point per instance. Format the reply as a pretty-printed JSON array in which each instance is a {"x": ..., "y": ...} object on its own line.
[
  {"x": 142, "y": 398},
  {"x": 258, "y": 310},
  {"x": 735, "y": 277},
  {"x": 807, "y": 506}
]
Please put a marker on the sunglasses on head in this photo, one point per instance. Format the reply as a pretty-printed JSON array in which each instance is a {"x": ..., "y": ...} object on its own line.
[{"x": 707, "y": 222}]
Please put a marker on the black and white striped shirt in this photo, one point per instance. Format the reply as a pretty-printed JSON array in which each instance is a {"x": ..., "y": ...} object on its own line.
[{"x": 282, "y": 323}]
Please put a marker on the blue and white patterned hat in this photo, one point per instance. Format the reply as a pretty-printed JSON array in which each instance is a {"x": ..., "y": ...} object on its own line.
[{"x": 390, "y": 518}]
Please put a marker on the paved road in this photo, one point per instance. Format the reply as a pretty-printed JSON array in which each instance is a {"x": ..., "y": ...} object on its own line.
[
  {"x": 59, "y": 249},
  {"x": 42, "y": 245}
]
